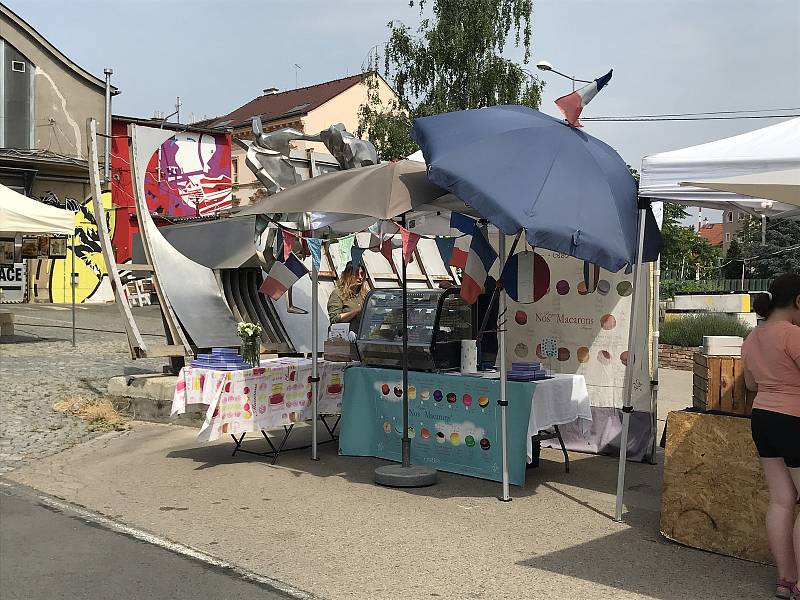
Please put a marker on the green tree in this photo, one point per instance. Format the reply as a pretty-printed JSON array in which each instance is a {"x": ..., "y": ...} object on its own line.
[
  {"x": 781, "y": 253},
  {"x": 453, "y": 61},
  {"x": 733, "y": 262},
  {"x": 677, "y": 238}
]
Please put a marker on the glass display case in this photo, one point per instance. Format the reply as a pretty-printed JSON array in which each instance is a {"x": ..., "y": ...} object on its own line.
[{"x": 437, "y": 322}]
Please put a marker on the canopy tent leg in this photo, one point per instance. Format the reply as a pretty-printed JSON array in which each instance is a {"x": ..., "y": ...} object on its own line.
[
  {"x": 314, "y": 354},
  {"x": 72, "y": 286},
  {"x": 627, "y": 407},
  {"x": 654, "y": 382},
  {"x": 501, "y": 352}
]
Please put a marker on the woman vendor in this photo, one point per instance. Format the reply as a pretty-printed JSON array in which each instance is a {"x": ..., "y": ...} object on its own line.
[
  {"x": 347, "y": 300},
  {"x": 771, "y": 357}
]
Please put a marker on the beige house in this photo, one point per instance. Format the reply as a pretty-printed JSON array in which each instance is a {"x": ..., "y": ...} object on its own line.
[
  {"x": 45, "y": 99},
  {"x": 309, "y": 109}
]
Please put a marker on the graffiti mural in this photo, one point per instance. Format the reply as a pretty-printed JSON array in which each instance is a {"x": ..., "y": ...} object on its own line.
[
  {"x": 92, "y": 283},
  {"x": 190, "y": 175}
]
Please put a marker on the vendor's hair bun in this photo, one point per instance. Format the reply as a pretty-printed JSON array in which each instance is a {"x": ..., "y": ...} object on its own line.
[
  {"x": 763, "y": 304},
  {"x": 784, "y": 292}
]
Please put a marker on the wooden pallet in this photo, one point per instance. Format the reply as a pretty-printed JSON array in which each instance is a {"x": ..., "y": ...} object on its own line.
[{"x": 718, "y": 384}]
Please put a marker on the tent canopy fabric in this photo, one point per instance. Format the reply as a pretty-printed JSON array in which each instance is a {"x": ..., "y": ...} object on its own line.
[
  {"x": 20, "y": 214},
  {"x": 526, "y": 171},
  {"x": 382, "y": 191},
  {"x": 773, "y": 148},
  {"x": 779, "y": 186}
]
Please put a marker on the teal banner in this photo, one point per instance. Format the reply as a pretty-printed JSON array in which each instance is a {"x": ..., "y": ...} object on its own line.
[{"x": 454, "y": 421}]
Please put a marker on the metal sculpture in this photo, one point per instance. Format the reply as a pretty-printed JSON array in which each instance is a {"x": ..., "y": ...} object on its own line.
[{"x": 348, "y": 150}]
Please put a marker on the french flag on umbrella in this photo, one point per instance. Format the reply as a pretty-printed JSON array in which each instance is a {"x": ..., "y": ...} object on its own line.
[
  {"x": 480, "y": 259},
  {"x": 282, "y": 276},
  {"x": 572, "y": 104}
]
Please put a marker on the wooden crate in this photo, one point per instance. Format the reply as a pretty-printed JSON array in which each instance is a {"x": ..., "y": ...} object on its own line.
[{"x": 719, "y": 385}]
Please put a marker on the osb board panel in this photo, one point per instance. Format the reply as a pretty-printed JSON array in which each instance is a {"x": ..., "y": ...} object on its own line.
[{"x": 714, "y": 495}]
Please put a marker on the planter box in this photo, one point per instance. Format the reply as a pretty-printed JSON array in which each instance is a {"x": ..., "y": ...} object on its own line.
[{"x": 718, "y": 384}]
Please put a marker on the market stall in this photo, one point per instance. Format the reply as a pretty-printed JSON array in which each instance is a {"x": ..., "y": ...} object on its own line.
[{"x": 22, "y": 216}]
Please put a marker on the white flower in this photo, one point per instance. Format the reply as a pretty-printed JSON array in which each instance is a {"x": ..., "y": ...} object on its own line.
[{"x": 248, "y": 330}]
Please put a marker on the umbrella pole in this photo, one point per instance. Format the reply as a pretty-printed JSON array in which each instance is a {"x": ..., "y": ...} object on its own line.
[
  {"x": 501, "y": 352},
  {"x": 627, "y": 407},
  {"x": 404, "y": 474},
  {"x": 314, "y": 354},
  {"x": 72, "y": 286}
]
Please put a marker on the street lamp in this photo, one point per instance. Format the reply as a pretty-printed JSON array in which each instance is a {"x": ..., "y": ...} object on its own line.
[{"x": 543, "y": 65}]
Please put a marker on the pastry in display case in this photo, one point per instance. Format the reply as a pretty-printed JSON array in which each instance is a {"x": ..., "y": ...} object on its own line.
[{"x": 438, "y": 319}]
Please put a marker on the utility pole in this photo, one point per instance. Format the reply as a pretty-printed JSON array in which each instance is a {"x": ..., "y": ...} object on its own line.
[{"x": 178, "y": 109}]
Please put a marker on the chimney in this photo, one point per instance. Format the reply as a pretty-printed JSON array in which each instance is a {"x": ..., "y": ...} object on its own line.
[{"x": 270, "y": 91}]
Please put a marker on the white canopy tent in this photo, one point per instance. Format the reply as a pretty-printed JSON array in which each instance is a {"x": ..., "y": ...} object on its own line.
[
  {"x": 20, "y": 215},
  {"x": 773, "y": 148},
  {"x": 781, "y": 186},
  {"x": 668, "y": 177}
]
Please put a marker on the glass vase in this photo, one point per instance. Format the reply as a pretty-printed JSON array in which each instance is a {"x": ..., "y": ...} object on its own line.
[{"x": 251, "y": 350}]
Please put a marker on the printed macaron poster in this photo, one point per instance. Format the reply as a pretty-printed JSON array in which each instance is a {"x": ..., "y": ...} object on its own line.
[
  {"x": 454, "y": 421},
  {"x": 573, "y": 318}
]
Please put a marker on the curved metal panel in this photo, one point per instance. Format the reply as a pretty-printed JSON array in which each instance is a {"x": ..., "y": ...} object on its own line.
[{"x": 191, "y": 289}]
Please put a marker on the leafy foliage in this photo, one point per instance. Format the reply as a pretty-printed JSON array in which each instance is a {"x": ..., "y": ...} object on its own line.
[
  {"x": 684, "y": 250},
  {"x": 782, "y": 235},
  {"x": 733, "y": 263},
  {"x": 453, "y": 61},
  {"x": 689, "y": 331}
]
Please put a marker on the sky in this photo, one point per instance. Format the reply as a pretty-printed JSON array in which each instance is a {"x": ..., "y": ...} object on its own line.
[{"x": 670, "y": 56}]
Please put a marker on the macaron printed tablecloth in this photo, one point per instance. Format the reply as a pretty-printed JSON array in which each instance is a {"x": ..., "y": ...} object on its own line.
[
  {"x": 454, "y": 421},
  {"x": 275, "y": 394}
]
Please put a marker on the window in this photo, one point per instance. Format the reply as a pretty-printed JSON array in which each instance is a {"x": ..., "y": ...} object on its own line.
[
  {"x": 16, "y": 98},
  {"x": 235, "y": 170},
  {"x": 741, "y": 216},
  {"x": 727, "y": 237},
  {"x": 730, "y": 217}
]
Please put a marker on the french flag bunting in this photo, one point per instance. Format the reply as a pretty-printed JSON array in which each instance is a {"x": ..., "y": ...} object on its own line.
[
  {"x": 355, "y": 255},
  {"x": 572, "y": 104},
  {"x": 461, "y": 222},
  {"x": 289, "y": 240},
  {"x": 410, "y": 240},
  {"x": 282, "y": 276},
  {"x": 279, "y": 246},
  {"x": 386, "y": 251},
  {"x": 315, "y": 249},
  {"x": 480, "y": 259},
  {"x": 458, "y": 258},
  {"x": 446, "y": 246}
]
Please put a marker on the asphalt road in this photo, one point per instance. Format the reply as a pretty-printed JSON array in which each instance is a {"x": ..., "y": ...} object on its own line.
[{"x": 52, "y": 554}]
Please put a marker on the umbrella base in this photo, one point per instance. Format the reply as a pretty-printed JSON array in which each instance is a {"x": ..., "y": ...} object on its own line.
[{"x": 413, "y": 476}]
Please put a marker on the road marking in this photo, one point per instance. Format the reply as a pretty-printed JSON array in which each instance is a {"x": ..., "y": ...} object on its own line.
[{"x": 150, "y": 538}]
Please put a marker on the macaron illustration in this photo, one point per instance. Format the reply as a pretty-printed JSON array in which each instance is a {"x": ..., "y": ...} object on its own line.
[
  {"x": 469, "y": 441},
  {"x": 455, "y": 439},
  {"x": 603, "y": 287},
  {"x": 437, "y": 395},
  {"x": 467, "y": 400},
  {"x": 451, "y": 398},
  {"x": 387, "y": 427},
  {"x": 582, "y": 288},
  {"x": 562, "y": 287},
  {"x": 521, "y": 350},
  {"x": 412, "y": 392},
  {"x": 521, "y": 317},
  {"x": 485, "y": 445},
  {"x": 398, "y": 391},
  {"x": 385, "y": 389},
  {"x": 425, "y": 433},
  {"x": 483, "y": 401},
  {"x": 624, "y": 288},
  {"x": 608, "y": 322},
  {"x": 412, "y": 432},
  {"x": 563, "y": 354},
  {"x": 623, "y": 358},
  {"x": 604, "y": 357},
  {"x": 583, "y": 354},
  {"x": 440, "y": 437},
  {"x": 425, "y": 395}
]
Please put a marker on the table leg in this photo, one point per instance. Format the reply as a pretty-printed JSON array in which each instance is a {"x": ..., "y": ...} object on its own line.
[
  {"x": 330, "y": 429},
  {"x": 277, "y": 451},
  {"x": 563, "y": 448},
  {"x": 238, "y": 443}
]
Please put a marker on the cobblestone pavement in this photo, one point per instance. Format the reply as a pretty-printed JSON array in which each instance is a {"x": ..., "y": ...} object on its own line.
[{"x": 39, "y": 367}]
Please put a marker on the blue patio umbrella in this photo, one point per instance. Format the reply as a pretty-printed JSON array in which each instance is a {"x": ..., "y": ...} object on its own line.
[
  {"x": 524, "y": 170},
  {"x": 567, "y": 191}
]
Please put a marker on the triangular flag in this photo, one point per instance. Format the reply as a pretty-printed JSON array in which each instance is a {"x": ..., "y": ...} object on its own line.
[
  {"x": 445, "y": 246},
  {"x": 345, "y": 245},
  {"x": 315, "y": 249},
  {"x": 386, "y": 250},
  {"x": 355, "y": 255},
  {"x": 279, "y": 248},
  {"x": 459, "y": 258},
  {"x": 480, "y": 259},
  {"x": 410, "y": 240},
  {"x": 282, "y": 276},
  {"x": 461, "y": 222},
  {"x": 572, "y": 104},
  {"x": 288, "y": 243}
]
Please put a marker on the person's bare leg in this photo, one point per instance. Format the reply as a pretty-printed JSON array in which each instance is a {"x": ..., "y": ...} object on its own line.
[
  {"x": 795, "y": 475},
  {"x": 780, "y": 516}
]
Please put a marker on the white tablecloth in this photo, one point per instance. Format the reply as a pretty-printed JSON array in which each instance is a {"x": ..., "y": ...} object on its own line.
[
  {"x": 276, "y": 394},
  {"x": 562, "y": 399}
]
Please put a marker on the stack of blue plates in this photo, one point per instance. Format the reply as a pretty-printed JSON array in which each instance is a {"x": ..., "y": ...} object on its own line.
[
  {"x": 526, "y": 371},
  {"x": 221, "y": 359}
]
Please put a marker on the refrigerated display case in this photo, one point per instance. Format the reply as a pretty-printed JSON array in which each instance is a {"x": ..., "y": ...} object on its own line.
[{"x": 438, "y": 319}]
